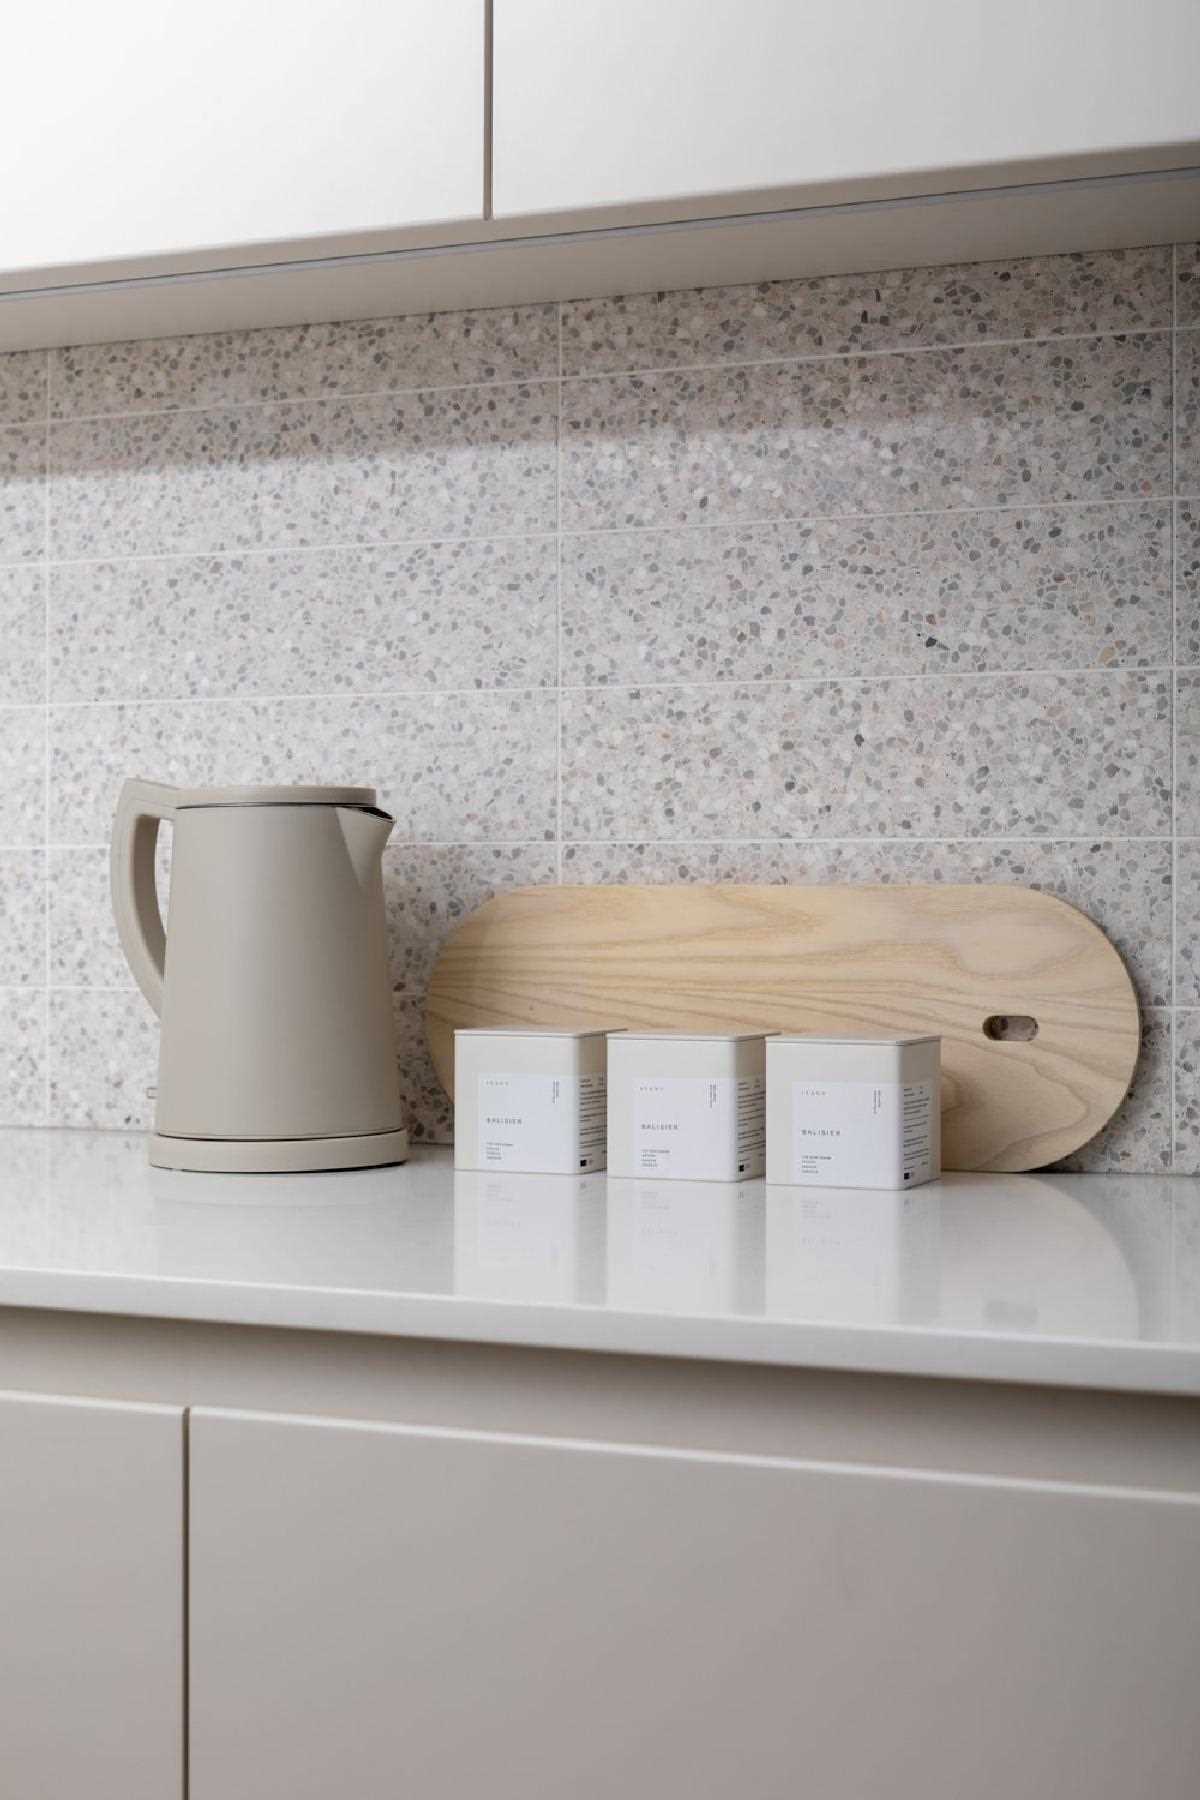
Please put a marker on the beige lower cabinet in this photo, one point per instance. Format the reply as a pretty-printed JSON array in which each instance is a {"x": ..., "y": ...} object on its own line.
[
  {"x": 386, "y": 1613},
  {"x": 91, "y": 1600}
]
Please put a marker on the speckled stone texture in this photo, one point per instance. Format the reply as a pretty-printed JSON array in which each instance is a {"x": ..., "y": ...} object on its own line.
[
  {"x": 1040, "y": 755},
  {"x": 103, "y": 1058},
  {"x": 429, "y": 1109},
  {"x": 1187, "y": 922},
  {"x": 1187, "y": 1092},
  {"x": 1187, "y": 582},
  {"x": 1079, "y": 420},
  {"x": 1035, "y": 588},
  {"x": 22, "y": 1056},
  {"x": 22, "y": 634},
  {"x": 428, "y": 893},
  {"x": 22, "y": 775},
  {"x": 897, "y": 309},
  {"x": 450, "y": 767},
  {"x": 467, "y": 462},
  {"x": 1138, "y": 1136},
  {"x": 300, "y": 362},
  {"x": 1187, "y": 754},
  {"x": 22, "y": 493},
  {"x": 1187, "y": 284},
  {"x": 22, "y": 387},
  {"x": 863, "y": 577},
  {"x": 451, "y": 615},
  {"x": 1187, "y": 399},
  {"x": 82, "y": 942},
  {"x": 22, "y": 918},
  {"x": 1124, "y": 886}
]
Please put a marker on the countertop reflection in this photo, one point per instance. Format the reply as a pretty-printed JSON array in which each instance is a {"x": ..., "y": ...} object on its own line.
[{"x": 1070, "y": 1279}]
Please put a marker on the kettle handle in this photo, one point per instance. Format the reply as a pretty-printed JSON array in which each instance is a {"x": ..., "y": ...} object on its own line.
[{"x": 141, "y": 808}]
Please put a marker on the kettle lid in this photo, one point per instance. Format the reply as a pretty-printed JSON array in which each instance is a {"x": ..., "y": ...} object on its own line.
[{"x": 276, "y": 796}]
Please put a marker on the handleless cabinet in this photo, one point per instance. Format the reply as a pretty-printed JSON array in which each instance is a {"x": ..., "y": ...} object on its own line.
[
  {"x": 91, "y": 1600},
  {"x": 380, "y": 1610},
  {"x": 683, "y": 102},
  {"x": 160, "y": 129}
]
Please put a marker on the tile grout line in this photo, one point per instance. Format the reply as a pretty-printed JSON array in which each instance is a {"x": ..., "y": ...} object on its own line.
[
  {"x": 786, "y": 521},
  {"x": 465, "y": 843},
  {"x": 807, "y": 683},
  {"x": 806, "y": 358},
  {"x": 803, "y": 358},
  {"x": 352, "y": 396},
  {"x": 814, "y": 845},
  {"x": 779, "y": 523},
  {"x": 360, "y": 546},
  {"x": 684, "y": 843}
]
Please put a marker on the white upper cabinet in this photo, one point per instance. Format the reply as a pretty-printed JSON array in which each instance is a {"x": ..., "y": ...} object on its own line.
[
  {"x": 619, "y": 103},
  {"x": 153, "y": 128}
]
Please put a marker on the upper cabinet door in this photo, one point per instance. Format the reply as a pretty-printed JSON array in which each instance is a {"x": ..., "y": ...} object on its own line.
[
  {"x": 91, "y": 1600},
  {"x": 154, "y": 128},
  {"x": 619, "y": 102}
]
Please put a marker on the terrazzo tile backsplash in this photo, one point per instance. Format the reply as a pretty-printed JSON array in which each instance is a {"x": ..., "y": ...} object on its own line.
[{"x": 871, "y": 578}]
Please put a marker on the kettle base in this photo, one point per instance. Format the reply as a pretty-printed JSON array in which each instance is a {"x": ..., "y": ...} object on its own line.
[{"x": 277, "y": 1156}]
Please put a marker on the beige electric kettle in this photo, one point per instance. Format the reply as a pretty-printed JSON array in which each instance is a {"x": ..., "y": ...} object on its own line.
[{"x": 277, "y": 1049}]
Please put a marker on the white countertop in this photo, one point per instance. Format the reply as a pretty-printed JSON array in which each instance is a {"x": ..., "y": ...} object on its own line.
[{"x": 1075, "y": 1280}]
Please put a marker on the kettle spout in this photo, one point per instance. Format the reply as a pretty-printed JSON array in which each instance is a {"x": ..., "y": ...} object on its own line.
[{"x": 366, "y": 833}]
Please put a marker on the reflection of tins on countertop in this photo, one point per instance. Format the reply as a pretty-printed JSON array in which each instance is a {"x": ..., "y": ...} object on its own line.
[
  {"x": 592, "y": 1223},
  {"x": 524, "y": 1238},
  {"x": 861, "y": 1255},
  {"x": 676, "y": 1246},
  {"x": 751, "y": 1294}
]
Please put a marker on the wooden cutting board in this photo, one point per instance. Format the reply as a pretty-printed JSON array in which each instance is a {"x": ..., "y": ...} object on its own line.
[{"x": 1038, "y": 1017}]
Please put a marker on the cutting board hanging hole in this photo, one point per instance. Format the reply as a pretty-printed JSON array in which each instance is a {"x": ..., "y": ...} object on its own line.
[{"x": 1010, "y": 1028}]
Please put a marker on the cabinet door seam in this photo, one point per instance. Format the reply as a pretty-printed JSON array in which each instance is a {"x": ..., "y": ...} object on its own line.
[{"x": 185, "y": 1609}]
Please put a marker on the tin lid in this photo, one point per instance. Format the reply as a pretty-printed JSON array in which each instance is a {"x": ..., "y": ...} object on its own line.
[
  {"x": 276, "y": 796},
  {"x": 535, "y": 1031},
  {"x": 694, "y": 1037},
  {"x": 850, "y": 1037}
]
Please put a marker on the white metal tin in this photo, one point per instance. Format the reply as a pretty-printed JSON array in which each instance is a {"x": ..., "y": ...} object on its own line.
[
  {"x": 686, "y": 1106},
  {"x": 853, "y": 1112},
  {"x": 530, "y": 1101}
]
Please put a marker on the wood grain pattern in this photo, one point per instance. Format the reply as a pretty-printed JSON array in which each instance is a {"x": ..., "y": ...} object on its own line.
[{"x": 856, "y": 959}]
